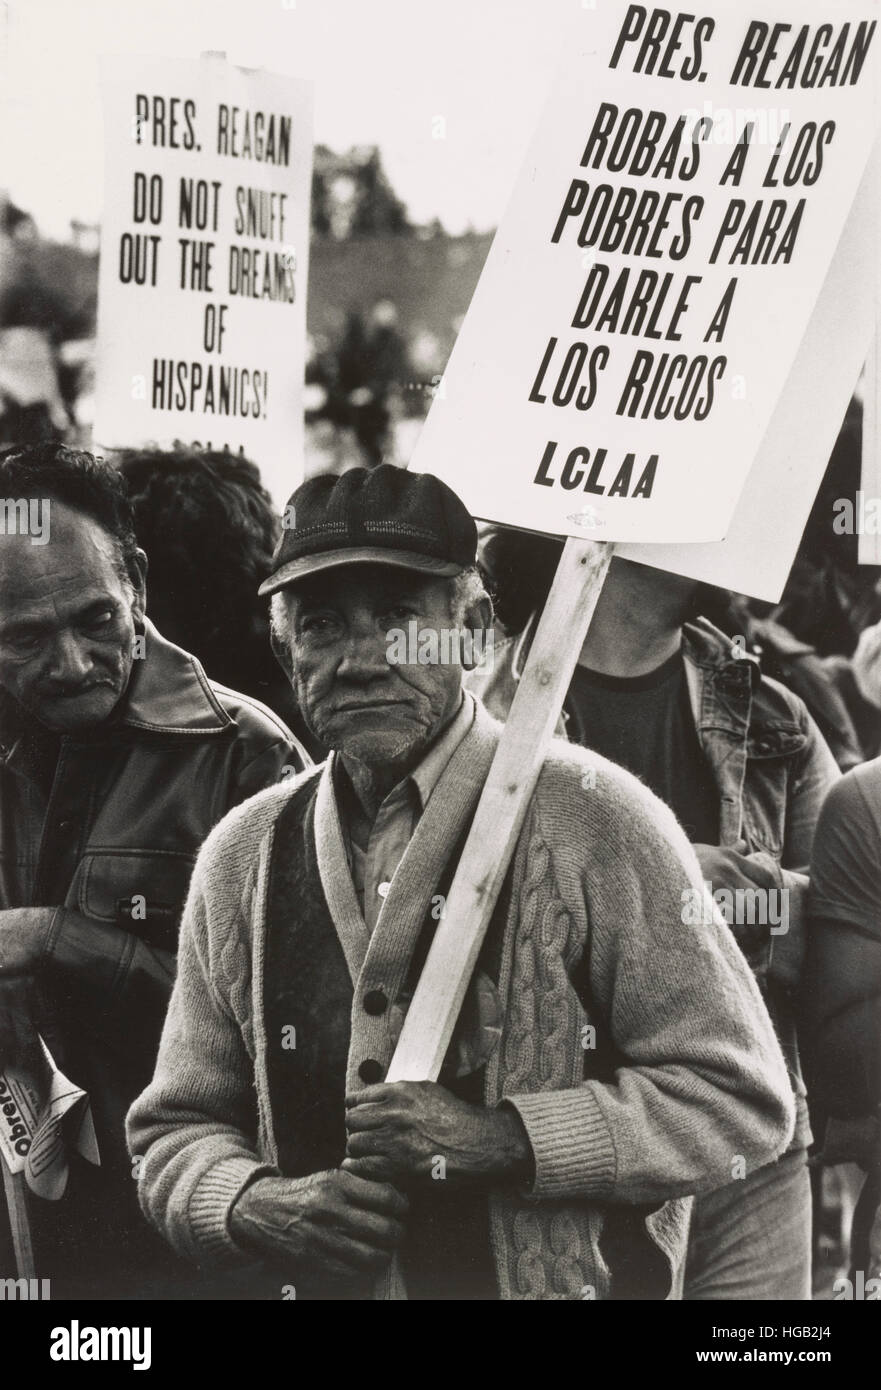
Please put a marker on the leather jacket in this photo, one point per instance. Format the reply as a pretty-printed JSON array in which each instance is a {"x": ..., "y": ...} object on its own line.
[
  {"x": 124, "y": 810},
  {"x": 101, "y": 832}
]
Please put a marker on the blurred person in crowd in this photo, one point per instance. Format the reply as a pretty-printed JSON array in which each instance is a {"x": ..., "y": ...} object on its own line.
[
  {"x": 118, "y": 756},
  {"x": 859, "y": 681},
  {"x": 666, "y": 694},
  {"x": 295, "y": 1153},
  {"x": 842, "y": 993},
  {"x": 209, "y": 528},
  {"x": 31, "y": 406},
  {"x": 829, "y": 598}
]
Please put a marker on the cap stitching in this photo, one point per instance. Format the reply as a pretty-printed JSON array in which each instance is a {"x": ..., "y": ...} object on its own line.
[
  {"x": 339, "y": 526},
  {"x": 400, "y": 530}
]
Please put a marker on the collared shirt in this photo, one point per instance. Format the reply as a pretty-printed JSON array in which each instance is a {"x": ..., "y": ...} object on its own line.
[
  {"x": 374, "y": 856},
  {"x": 447, "y": 1253}
]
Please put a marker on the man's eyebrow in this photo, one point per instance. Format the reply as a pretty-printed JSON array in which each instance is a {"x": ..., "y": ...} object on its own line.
[
  {"x": 16, "y": 626},
  {"x": 99, "y": 605}
]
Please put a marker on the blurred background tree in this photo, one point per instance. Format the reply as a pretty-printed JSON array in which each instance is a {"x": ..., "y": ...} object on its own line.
[{"x": 352, "y": 196}]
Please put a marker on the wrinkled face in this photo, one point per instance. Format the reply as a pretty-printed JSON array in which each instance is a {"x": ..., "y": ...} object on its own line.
[
  {"x": 67, "y": 622},
  {"x": 354, "y": 699}
]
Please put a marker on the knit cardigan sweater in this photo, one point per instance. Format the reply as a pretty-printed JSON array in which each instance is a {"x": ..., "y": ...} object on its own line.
[{"x": 600, "y": 874}]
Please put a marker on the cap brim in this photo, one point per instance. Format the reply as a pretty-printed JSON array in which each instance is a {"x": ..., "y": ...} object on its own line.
[{"x": 365, "y": 555}]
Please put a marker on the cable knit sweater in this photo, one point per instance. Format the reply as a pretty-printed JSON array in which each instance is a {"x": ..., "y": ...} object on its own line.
[{"x": 594, "y": 936}]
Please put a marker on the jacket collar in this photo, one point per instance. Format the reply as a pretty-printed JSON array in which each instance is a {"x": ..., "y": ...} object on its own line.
[
  {"x": 169, "y": 693},
  {"x": 706, "y": 645}
]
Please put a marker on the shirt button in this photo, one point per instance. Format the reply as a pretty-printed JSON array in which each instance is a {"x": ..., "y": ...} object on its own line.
[
  {"x": 371, "y": 1071},
  {"x": 382, "y": 890},
  {"x": 375, "y": 1002},
  {"x": 65, "y": 824}
]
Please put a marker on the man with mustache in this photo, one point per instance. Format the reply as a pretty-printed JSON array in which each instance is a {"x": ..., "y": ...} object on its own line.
[
  {"x": 609, "y": 1059},
  {"x": 117, "y": 757}
]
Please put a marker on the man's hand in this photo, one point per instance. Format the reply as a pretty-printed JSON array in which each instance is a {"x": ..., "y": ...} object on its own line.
[
  {"x": 332, "y": 1223},
  {"x": 726, "y": 868},
  {"x": 398, "y": 1132},
  {"x": 23, "y": 932}
]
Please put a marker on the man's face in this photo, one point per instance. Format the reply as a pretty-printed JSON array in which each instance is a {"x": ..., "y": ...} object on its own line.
[
  {"x": 67, "y": 620},
  {"x": 351, "y": 696}
]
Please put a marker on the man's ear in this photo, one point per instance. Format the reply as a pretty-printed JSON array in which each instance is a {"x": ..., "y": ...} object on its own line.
[
  {"x": 479, "y": 624},
  {"x": 137, "y": 573}
]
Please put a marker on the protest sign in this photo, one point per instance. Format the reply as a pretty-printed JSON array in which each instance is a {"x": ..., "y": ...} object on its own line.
[
  {"x": 675, "y": 366},
  {"x": 646, "y": 294},
  {"x": 764, "y": 534},
  {"x": 867, "y": 506},
  {"x": 866, "y": 516},
  {"x": 204, "y": 261}
]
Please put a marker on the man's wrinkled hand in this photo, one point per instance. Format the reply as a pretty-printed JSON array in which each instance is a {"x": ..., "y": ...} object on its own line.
[
  {"x": 23, "y": 935},
  {"x": 334, "y": 1223},
  {"x": 400, "y": 1131},
  {"x": 23, "y": 931}
]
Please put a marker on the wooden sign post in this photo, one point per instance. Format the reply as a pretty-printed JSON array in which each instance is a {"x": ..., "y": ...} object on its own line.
[{"x": 501, "y": 809}]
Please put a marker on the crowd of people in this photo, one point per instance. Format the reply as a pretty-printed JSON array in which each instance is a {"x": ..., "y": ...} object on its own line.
[{"x": 228, "y": 825}]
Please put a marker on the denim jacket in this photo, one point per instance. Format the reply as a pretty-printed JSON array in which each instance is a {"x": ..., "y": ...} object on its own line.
[{"x": 772, "y": 768}]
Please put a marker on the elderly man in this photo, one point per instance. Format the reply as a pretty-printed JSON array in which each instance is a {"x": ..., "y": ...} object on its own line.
[
  {"x": 118, "y": 757},
  {"x": 609, "y": 1058}
]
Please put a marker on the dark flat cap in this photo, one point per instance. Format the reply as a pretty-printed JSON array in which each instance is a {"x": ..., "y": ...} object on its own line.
[{"x": 381, "y": 516}]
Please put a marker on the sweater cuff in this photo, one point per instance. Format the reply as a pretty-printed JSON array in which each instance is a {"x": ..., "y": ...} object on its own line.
[
  {"x": 210, "y": 1205},
  {"x": 571, "y": 1143}
]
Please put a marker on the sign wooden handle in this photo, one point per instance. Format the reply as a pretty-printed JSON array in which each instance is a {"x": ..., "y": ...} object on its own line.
[{"x": 513, "y": 774}]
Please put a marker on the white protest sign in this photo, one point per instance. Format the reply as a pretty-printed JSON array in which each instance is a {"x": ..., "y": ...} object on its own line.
[
  {"x": 865, "y": 508},
  {"x": 204, "y": 260},
  {"x": 653, "y": 277},
  {"x": 764, "y": 534},
  {"x": 867, "y": 504}
]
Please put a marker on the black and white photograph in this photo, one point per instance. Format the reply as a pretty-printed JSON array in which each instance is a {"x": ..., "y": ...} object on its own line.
[{"x": 440, "y": 669}]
